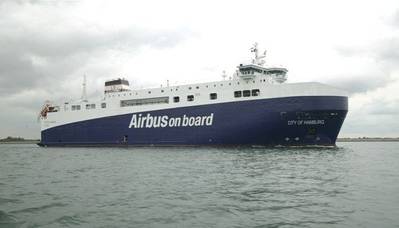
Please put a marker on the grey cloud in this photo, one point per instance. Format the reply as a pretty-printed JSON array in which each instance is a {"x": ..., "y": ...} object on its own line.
[
  {"x": 361, "y": 84},
  {"x": 39, "y": 57},
  {"x": 388, "y": 51},
  {"x": 381, "y": 107},
  {"x": 395, "y": 19},
  {"x": 351, "y": 51},
  {"x": 34, "y": 55},
  {"x": 384, "y": 53}
]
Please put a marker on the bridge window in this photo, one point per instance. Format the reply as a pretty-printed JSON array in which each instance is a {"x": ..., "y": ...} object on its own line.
[
  {"x": 237, "y": 93},
  {"x": 190, "y": 98},
  {"x": 255, "y": 92},
  {"x": 213, "y": 96},
  {"x": 246, "y": 93},
  {"x": 176, "y": 99},
  {"x": 53, "y": 109},
  {"x": 145, "y": 101},
  {"x": 90, "y": 106},
  {"x": 75, "y": 107},
  {"x": 103, "y": 105}
]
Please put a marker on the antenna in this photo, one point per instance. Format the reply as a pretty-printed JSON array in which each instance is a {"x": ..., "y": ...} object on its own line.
[
  {"x": 254, "y": 49},
  {"x": 84, "y": 95},
  {"x": 224, "y": 75},
  {"x": 259, "y": 59}
]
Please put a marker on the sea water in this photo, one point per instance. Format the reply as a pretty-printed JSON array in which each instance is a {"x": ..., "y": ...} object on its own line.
[{"x": 354, "y": 185}]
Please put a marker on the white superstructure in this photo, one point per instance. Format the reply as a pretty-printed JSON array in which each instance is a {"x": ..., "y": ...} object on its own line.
[{"x": 250, "y": 82}]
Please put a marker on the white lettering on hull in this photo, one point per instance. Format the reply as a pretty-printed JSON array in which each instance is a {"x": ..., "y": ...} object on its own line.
[
  {"x": 148, "y": 121},
  {"x": 305, "y": 122}
]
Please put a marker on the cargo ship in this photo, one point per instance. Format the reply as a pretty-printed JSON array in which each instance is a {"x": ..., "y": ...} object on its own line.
[{"x": 253, "y": 107}]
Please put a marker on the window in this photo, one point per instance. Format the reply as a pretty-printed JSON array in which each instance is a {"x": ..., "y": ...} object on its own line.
[
  {"x": 162, "y": 91},
  {"x": 90, "y": 106},
  {"x": 176, "y": 99},
  {"x": 237, "y": 93},
  {"x": 197, "y": 87},
  {"x": 189, "y": 87},
  {"x": 53, "y": 109},
  {"x": 213, "y": 96},
  {"x": 246, "y": 93},
  {"x": 190, "y": 98},
  {"x": 255, "y": 92},
  {"x": 145, "y": 101},
  {"x": 103, "y": 105},
  {"x": 75, "y": 107}
]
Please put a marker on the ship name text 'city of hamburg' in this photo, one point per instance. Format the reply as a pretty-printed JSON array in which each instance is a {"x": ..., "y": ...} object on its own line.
[{"x": 255, "y": 107}]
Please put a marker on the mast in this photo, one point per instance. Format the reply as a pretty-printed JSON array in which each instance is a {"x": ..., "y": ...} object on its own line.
[
  {"x": 259, "y": 59},
  {"x": 84, "y": 94}
]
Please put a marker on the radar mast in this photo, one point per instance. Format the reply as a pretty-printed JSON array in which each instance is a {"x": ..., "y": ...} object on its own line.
[
  {"x": 258, "y": 59},
  {"x": 84, "y": 94}
]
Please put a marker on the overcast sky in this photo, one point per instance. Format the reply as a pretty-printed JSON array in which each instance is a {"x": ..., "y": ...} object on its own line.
[{"x": 47, "y": 46}]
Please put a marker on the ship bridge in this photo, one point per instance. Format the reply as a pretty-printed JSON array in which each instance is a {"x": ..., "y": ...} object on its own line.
[
  {"x": 256, "y": 68},
  {"x": 116, "y": 85}
]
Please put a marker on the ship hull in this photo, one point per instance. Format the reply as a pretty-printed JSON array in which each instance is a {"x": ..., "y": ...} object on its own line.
[{"x": 288, "y": 121}]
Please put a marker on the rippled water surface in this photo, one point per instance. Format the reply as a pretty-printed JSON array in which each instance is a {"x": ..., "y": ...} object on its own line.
[{"x": 355, "y": 185}]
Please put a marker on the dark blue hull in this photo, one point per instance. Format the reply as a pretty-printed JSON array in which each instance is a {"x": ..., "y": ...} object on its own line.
[{"x": 290, "y": 121}]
